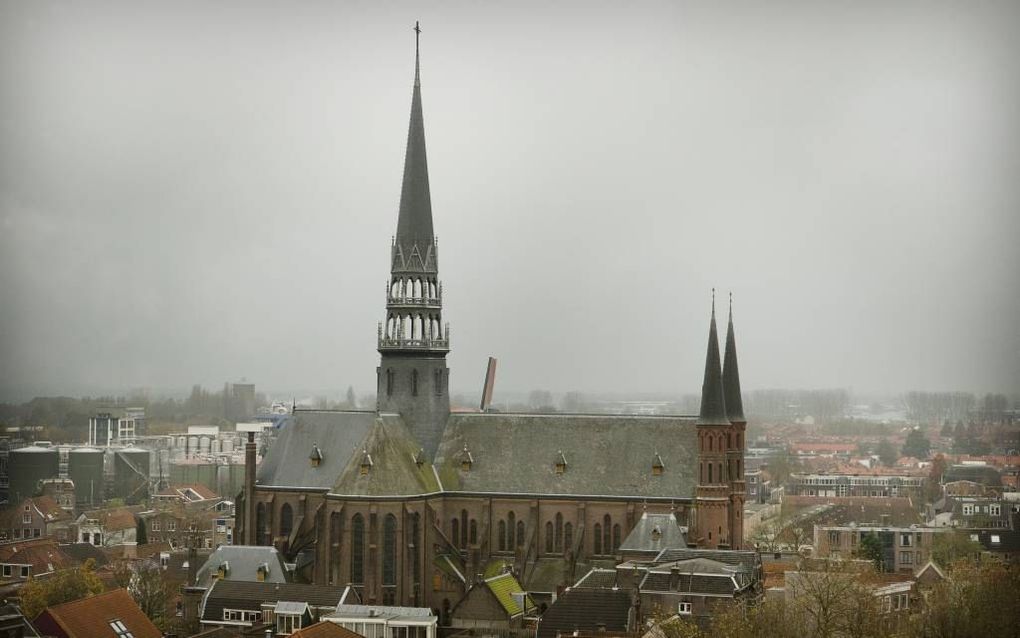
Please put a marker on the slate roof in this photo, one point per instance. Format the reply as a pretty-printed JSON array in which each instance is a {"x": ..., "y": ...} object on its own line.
[
  {"x": 643, "y": 538},
  {"x": 414, "y": 223},
  {"x": 230, "y": 594},
  {"x": 586, "y": 610},
  {"x": 748, "y": 559},
  {"x": 91, "y": 617},
  {"x": 243, "y": 562},
  {"x": 338, "y": 433},
  {"x": 598, "y": 579},
  {"x": 394, "y": 471},
  {"x": 731, "y": 375},
  {"x": 610, "y": 454},
  {"x": 696, "y": 576},
  {"x": 713, "y": 404}
]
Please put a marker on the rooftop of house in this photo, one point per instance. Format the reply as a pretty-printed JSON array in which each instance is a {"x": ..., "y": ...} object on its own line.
[
  {"x": 230, "y": 594},
  {"x": 113, "y": 614},
  {"x": 242, "y": 563},
  {"x": 111, "y": 519},
  {"x": 42, "y": 554},
  {"x": 587, "y": 609}
]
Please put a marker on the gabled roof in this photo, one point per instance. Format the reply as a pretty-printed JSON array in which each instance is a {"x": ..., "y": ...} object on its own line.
[
  {"x": 91, "y": 617},
  {"x": 598, "y": 578},
  {"x": 229, "y": 594},
  {"x": 503, "y": 587},
  {"x": 654, "y": 533},
  {"x": 609, "y": 454},
  {"x": 43, "y": 554},
  {"x": 585, "y": 610},
  {"x": 243, "y": 563},
  {"x": 746, "y": 558},
  {"x": 111, "y": 519}
]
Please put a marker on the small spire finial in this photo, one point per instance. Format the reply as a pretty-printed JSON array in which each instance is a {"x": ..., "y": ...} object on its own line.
[
  {"x": 713, "y": 302},
  {"x": 417, "y": 35},
  {"x": 731, "y": 305}
]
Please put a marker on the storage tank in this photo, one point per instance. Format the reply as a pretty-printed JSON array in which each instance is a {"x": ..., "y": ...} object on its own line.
[
  {"x": 215, "y": 447},
  {"x": 131, "y": 474},
  {"x": 182, "y": 442},
  {"x": 192, "y": 445},
  {"x": 85, "y": 468},
  {"x": 203, "y": 445},
  {"x": 228, "y": 446},
  {"x": 27, "y": 466}
]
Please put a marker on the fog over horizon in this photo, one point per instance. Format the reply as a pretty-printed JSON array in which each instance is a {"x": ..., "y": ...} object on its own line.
[{"x": 199, "y": 192}]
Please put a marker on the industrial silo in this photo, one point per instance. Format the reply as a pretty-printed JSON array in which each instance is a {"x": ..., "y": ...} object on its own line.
[
  {"x": 131, "y": 474},
  {"x": 27, "y": 466},
  {"x": 85, "y": 468}
]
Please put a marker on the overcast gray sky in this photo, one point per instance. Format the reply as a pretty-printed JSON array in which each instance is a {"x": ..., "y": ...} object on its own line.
[{"x": 203, "y": 191}]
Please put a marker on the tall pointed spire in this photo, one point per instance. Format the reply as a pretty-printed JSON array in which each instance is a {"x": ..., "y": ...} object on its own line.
[
  {"x": 414, "y": 225},
  {"x": 731, "y": 376},
  {"x": 713, "y": 405}
]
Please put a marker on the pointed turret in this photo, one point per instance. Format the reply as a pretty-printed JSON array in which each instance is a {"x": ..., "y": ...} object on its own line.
[
  {"x": 713, "y": 404},
  {"x": 731, "y": 377},
  {"x": 414, "y": 225}
]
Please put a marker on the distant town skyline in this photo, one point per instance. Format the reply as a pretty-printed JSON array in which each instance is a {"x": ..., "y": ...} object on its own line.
[{"x": 195, "y": 194}]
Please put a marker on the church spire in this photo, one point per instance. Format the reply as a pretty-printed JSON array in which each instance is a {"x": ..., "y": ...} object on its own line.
[
  {"x": 730, "y": 375},
  {"x": 413, "y": 379},
  {"x": 414, "y": 243},
  {"x": 713, "y": 405}
]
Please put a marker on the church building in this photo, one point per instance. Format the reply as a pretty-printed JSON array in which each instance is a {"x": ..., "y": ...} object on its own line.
[{"x": 411, "y": 504}]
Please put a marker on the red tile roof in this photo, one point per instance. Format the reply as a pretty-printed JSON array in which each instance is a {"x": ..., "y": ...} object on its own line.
[{"x": 91, "y": 617}]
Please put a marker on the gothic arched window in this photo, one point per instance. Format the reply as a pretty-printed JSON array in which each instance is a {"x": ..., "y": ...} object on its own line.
[
  {"x": 559, "y": 532},
  {"x": 520, "y": 533},
  {"x": 598, "y": 539},
  {"x": 568, "y": 536},
  {"x": 473, "y": 535},
  {"x": 389, "y": 561},
  {"x": 463, "y": 528},
  {"x": 607, "y": 541},
  {"x": 616, "y": 537},
  {"x": 358, "y": 550},
  {"x": 286, "y": 520},
  {"x": 455, "y": 532}
]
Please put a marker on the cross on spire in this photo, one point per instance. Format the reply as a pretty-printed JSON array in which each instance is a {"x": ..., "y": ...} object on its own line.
[{"x": 417, "y": 35}]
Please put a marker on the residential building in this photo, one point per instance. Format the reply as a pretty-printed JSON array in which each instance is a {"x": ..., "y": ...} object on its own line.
[
  {"x": 113, "y": 614},
  {"x": 858, "y": 485},
  {"x": 497, "y": 602},
  {"x": 36, "y": 517},
  {"x": 903, "y": 548},
  {"x": 107, "y": 527},
  {"x": 379, "y": 621},
  {"x": 285, "y": 606}
]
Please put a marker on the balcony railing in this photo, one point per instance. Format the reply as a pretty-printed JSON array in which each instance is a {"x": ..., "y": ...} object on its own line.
[{"x": 401, "y": 343}]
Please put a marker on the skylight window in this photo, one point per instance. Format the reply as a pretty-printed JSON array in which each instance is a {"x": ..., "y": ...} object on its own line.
[{"x": 118, "y": 628}]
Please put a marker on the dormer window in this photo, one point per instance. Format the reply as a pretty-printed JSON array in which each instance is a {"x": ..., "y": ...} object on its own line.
[
  {"x": 262, "y": 572},
  {"x": 657, "y": 465},
  {"x": 561, "y": 462},
  {"x": 223, "y": 571},
  {"x": 315, "y": 458},
  {"x": 366, "y": 462},
  {"x": 466, "y": 459},
  {"x": 656, "y": 534},
  {"x": 419, "y": 458}
]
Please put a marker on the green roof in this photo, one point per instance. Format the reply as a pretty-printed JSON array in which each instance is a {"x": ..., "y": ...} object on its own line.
[{"x": 503, "y": 587}]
